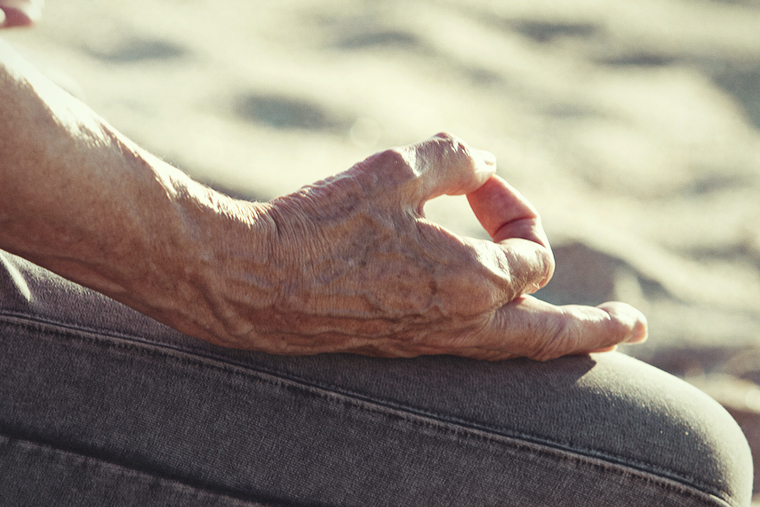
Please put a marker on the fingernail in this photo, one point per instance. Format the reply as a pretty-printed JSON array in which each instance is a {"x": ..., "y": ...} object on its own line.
[
  {"x": 640, "y": 332},
  {"x": 486, "y": 166},
  {"x": 488, "y": 157},
  {"x": 632, "y": 317}
]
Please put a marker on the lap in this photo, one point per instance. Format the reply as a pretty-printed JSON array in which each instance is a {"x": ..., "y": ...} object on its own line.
[{"x": 105, "y": 403}]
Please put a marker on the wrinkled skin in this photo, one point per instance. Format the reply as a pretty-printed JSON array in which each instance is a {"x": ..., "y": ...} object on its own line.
[
  {"x": 354, "y": 266},
  {"x": 348, "y": 264}
]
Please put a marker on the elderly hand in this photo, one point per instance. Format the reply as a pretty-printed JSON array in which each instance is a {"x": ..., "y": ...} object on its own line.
[
  {"x": 352, "y": 265},
  {"x": 348, "y": 264}
]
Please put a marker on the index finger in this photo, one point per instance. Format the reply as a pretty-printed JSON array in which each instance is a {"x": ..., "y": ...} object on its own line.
[
  {"x": 505, "y": 213},
  {"x": 515, "y": 225}
]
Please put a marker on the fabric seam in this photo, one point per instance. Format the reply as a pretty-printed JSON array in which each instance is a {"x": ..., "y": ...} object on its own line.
[
  {"x": 292, "y": 382},
  {"x": 164, "y": 477}
]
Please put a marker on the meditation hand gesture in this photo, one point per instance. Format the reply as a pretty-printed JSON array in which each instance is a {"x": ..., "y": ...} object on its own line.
[
  {"x": 352, "y": 265},
  {"x": 348, "y": 264}
]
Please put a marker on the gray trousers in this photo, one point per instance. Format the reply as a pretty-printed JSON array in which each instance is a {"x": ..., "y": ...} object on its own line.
[{"x": 101, "y": 406}]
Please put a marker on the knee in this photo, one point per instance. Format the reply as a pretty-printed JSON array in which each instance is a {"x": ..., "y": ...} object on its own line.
[{"x": 684, "y": 434}]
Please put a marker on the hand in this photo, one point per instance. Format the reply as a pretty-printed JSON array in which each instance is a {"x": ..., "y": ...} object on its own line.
[
  {"x": 20, "y": 12},
  {"x": 354, "y": 266},
  {"x": 348, "y": 264}
]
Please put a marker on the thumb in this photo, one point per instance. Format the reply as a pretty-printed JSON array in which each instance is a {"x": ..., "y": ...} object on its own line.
[
  {"x": 446, "y": 165},
  {"x": 542, "y": 331}
]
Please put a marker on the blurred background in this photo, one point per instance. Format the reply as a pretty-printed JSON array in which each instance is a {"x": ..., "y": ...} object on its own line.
[{"x": 634, "y": 127}]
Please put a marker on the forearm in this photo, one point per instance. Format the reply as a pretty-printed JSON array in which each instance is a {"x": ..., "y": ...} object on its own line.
[
  {"x": 345, "y": 265},
  {"x": 80, "y": 199}
]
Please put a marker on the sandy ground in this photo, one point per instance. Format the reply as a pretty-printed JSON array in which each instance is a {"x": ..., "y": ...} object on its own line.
[{"x": 633, "y": 126}]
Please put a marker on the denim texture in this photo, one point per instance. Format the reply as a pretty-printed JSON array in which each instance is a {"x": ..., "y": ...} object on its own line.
[{"x": 100, "y": 405}]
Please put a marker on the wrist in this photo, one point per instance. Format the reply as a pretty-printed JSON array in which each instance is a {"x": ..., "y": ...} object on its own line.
[{"x": 225, "y": 274}]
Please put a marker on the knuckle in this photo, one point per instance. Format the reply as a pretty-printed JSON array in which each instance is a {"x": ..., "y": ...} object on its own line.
[
  {"x": 484, "y": 271},
  {"x": 450, "y": 141},
  {"x": 469, "y": 284},
  {"x": 453, "y": 147},
  {"x": 445, "y": 136},
  {"x": 389, "y": 172},
  {"x": 546, "y": 266},
  {"x": 528, "y": 270},
  {"x": 393, "y": 164}
]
